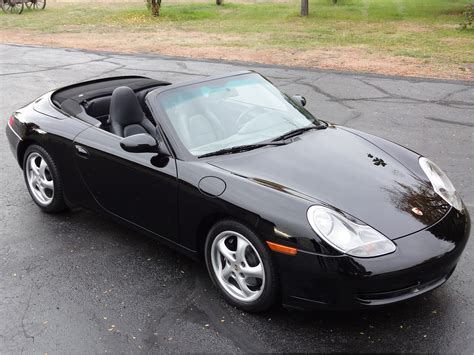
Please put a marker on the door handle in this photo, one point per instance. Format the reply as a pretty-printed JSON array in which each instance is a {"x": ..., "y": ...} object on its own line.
[{"x": 81, "y": 151}]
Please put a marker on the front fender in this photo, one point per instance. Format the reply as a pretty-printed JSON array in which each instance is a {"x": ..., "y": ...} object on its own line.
[{"x": 276, "y": 215}]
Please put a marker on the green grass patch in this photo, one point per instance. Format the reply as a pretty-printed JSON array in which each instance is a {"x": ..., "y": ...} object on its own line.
[{"x": 426, "y": 29}]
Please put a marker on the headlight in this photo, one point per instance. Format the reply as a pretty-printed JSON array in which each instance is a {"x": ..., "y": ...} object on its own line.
[
  {"x": 347, "y": 236},
  {"x": 441, "y": 183}
]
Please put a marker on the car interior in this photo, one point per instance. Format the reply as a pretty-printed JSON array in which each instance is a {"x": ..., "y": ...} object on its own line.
[
  {"x": 212, "y": 116},
  {"x": 203, "y": 122},
  {"x": 116, "y": 105}
]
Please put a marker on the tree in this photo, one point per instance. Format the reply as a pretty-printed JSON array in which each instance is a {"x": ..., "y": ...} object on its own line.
[
  {"x": 155, "y": 7},
  {"x": 219, "y": 2},
  {"x": 468, "y": 16},
  {"x": 304, "y": 8}
]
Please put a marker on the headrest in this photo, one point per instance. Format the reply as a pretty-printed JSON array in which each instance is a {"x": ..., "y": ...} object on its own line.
[{"x": 124, "y": 106}]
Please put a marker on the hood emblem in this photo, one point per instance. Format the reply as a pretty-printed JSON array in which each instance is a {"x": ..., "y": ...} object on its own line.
[
  {"x": 376, "y": 161},
  {"x": 417, "y": 211}
]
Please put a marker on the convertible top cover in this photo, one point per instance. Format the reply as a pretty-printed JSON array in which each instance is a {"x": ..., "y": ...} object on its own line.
[{"x": 103, "y": 87}]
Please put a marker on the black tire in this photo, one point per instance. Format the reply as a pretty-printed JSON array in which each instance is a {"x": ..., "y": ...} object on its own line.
[
  {"x": 57, "y": 203},
  {"x": 270, "y": 293}
]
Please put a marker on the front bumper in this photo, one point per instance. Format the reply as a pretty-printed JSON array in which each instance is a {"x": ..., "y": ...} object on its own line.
[{"x": 423, "y": 261}]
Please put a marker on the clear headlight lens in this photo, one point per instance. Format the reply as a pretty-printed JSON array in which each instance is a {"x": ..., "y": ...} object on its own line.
[
  {"x": 347, "y": 236},
  {"x": 441, "y": 183}
]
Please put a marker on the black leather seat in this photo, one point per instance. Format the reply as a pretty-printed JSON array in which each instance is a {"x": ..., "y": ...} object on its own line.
[{"x": 126, "y": 115}]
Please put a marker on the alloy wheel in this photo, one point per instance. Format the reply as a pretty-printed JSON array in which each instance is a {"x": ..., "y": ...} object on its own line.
[
  {"x": 40, "y": 179},
  {"x": 237, "y": 266}
]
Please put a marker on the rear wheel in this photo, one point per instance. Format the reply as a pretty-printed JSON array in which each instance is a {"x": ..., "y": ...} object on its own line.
[
  {"x": 12, "y": 6},
  {"x": 240, "y": 265},
  {"x": 43, "y": 180}
]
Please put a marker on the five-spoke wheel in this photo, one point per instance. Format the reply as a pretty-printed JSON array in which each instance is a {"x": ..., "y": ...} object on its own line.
[
  {"x": 39, "y": 179},
  {"x": 43, "y": 179},
  {"x": 241, "y": 266},
  {"x": 237, "y": 265}
]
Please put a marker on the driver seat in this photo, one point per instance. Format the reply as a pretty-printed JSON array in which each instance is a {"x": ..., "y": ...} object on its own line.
[{"x": 126, "y": 115}]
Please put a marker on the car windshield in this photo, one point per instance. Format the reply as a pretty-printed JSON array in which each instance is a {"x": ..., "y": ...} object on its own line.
[{"x": 231, "y": 112}]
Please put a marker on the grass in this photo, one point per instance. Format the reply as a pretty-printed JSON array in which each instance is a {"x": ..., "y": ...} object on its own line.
[{"x": 423, "y": 29}]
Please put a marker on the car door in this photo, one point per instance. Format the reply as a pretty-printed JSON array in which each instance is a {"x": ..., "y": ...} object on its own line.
[{"x": 138, "y": 187}]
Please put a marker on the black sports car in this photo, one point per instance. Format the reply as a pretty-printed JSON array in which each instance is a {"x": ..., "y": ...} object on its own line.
[{"x": 283, "y": 207}]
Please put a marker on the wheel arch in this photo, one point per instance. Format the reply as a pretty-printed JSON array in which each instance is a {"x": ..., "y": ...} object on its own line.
[
  {"x": 204, "y": 227},
  {"x": 22, "y": 147},
  {"x": 212, "y": 219}
]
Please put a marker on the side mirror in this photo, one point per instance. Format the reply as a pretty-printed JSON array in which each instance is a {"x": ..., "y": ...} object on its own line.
[
  {"x": 139, "y": 143},
  {"x": 299, "y": 99}
]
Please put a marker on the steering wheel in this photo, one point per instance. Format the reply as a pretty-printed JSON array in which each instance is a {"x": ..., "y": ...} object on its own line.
[{"x": 242, "y": 116}]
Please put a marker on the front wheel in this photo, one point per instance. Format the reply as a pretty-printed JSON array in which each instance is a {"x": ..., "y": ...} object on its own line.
[
  {"x": 43, "y": 180},
  {"x": 36, "y": 4},
  {"x": 241, "y": 266}
]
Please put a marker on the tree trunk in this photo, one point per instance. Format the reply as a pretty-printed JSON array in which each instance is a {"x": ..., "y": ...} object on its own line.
[
  {"x": 155, "y": 7},
  {"x": 304, "y": 8},
  {"x": 219, "y": 2}
]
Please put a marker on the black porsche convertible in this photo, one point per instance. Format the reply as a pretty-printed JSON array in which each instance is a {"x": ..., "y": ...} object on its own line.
[{"x": 282, "y": 207}]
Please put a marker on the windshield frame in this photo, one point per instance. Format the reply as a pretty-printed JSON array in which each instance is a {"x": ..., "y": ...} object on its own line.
[{"x": 152, "y": 100}]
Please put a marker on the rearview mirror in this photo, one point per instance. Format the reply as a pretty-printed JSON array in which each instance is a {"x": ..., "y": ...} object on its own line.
[
  {"x": 139, "y": 143},
  {"x": 299, "y": 100}
]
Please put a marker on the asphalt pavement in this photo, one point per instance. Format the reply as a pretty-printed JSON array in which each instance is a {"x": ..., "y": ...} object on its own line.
[{"x": 79, "y": 283}]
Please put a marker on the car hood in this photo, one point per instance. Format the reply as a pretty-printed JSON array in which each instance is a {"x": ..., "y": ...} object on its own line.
[{"x": 339, "y": 168}]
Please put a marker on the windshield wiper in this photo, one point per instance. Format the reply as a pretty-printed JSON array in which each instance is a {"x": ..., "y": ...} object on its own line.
[
  {"x": 241, "y": 148},
  {"x": 297, "y": 132}
]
